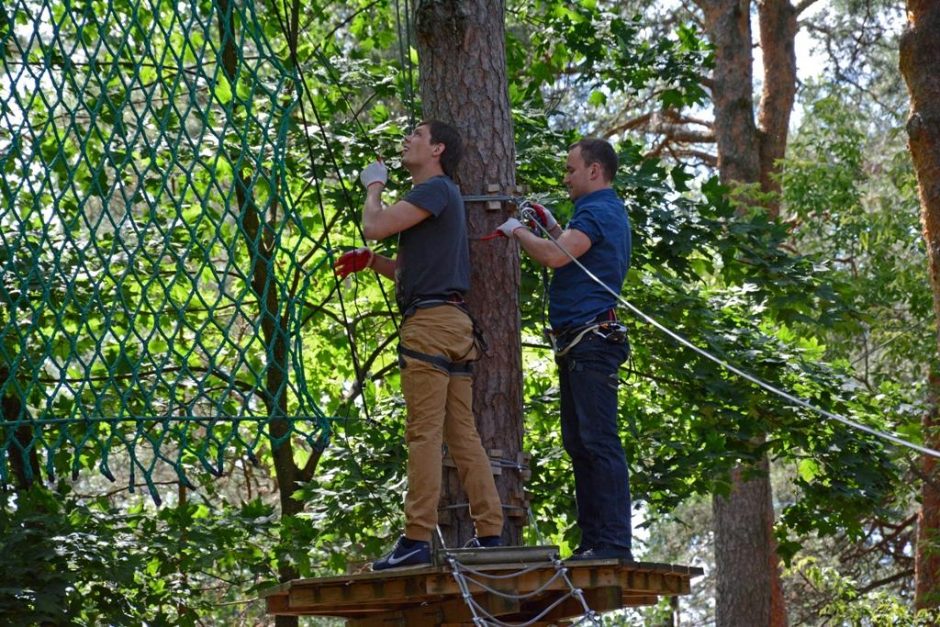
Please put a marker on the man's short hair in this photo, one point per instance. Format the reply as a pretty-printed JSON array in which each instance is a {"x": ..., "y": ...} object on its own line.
[
  {"x": 595, "y": 150},
  {"x": 444, "y": 133}
]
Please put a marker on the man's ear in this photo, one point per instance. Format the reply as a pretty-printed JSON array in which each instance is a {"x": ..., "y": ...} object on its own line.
[{"x": 438, "y": 149}]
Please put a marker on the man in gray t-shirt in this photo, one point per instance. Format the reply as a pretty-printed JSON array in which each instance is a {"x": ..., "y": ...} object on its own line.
[
  {"x": 433, "y": 256},
  {"x": 431, "y": 274}
]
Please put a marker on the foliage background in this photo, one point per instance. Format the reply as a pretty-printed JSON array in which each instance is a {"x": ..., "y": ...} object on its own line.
[{"x": 830, "y": 301}]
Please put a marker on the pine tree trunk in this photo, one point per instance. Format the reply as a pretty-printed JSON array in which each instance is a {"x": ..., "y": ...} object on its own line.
[
  {"x": 920, "y": 58},
  {"x": 927, "y": 556},
  {"x": 742, "y": 553},
  {"x": 463, "y": 81},
  {"x": 749, "y": 590},
  {"x": 778, "y": 27}
]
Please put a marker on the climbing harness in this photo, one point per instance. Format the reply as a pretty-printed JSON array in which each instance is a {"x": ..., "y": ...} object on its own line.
[
  {"x": 459, "y": 367},
  {"x": 604, "y": 326},
  {"x": 562, "y": 342}
]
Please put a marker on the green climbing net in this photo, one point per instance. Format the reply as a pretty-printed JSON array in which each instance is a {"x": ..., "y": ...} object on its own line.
[{"x": 154, "y": 268}]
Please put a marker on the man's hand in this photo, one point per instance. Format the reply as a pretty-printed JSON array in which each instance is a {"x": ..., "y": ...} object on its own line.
[
  {"x": 510, "y": 225},
  {"x": 354, "y": 261},
  {"x": 543, "y": 216},
  {"x": 374, "y": 173}
]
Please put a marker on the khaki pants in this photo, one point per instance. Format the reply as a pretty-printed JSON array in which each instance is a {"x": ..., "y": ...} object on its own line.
[{"x": 440, "y": 410}]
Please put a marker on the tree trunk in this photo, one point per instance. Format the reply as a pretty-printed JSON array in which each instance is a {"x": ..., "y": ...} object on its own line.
[
  {"x": 749, "y": 590},
  {"x": 927, "y": 556},
  {"x": 742, "y": 552},
  {"x": 463, "y": 82},
  {"x": 920, "y": 58},
  {"x": 728, "y": 24},
  {"x": 777, "y": 19},
  {"x": 24, "y": 462}
]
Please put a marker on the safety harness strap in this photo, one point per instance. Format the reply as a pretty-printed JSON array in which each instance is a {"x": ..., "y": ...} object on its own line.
[
  {"x": 612, "y": 331},
  {"x": 459, "y": 368},
  {"x": 454, "y": 300}
]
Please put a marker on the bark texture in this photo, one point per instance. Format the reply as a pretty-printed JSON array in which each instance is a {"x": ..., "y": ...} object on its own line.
[
  {"x": 927, "y": 556},
  {"x": 742, "y": 553},
  {"x": 778, "y": 27},
  {"x": 749, "y": 590},
  {"x": 24, "y": 462},
  {"x": 728, "y": 23},
  {"x": 463, "y": 82},
  {"x": 920, "y": 58}
]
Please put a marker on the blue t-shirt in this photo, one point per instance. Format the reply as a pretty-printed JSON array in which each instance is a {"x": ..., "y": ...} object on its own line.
[
  {"x": 574, "y": 298},
  {"x": 434, "y": 254}
]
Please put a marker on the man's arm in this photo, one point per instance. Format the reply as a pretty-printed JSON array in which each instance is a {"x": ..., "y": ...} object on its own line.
[
  {"x": 384, "y": 266},
  {"x": 546, "y": 252},
  {"x": 379, "y": 222}
]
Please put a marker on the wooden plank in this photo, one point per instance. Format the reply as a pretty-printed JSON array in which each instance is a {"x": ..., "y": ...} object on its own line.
[
  {"x": 407, "y": 594},
  {"x": 592, "y": 575},
  {"x": 582, "y": 575},
  {"x": 451, "y": 611},
  {"x": 457, "y": 610},
  {"x": 281, "y": 588},
  {"x": 504, "y": 556},
  {"x": 599, "y": 599},
  {"x": 359, "y": 592},
  {"x": 276, "y": 604}
]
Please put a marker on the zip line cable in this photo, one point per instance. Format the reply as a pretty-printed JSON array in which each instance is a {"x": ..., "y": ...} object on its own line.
[{"x": 531, "y": 215}]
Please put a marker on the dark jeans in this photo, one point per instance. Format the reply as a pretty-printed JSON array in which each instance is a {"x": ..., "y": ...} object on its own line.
[{"x": 589, "y": 380}]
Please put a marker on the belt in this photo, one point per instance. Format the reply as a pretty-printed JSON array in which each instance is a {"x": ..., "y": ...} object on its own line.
[{"x": 425, "y": 302}]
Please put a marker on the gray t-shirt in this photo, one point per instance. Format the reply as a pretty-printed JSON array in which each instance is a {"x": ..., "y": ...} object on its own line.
[{"x": 433, "y": 255}]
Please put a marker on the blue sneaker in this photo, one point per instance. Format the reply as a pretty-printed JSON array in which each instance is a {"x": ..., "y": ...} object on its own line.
[
  {"x": 483, "y": 542},
  {"x": 407, "y": 552}
]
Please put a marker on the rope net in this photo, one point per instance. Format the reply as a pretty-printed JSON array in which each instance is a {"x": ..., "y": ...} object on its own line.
[{"x": 155, "y": 267}]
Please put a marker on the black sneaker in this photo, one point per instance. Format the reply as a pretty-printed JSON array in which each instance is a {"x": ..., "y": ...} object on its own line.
[
  {"x": 407, "y": 552},
  {"x": 483, "y": 542},
  {"x": 603, "y": 553}
]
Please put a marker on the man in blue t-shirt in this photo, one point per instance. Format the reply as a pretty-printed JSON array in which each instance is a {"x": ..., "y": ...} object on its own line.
[
  {"x": 590, "y": 345},
  {"x": 438, "y": 342}
]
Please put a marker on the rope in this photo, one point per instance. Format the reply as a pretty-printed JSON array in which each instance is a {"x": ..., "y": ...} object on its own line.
[
  {"x": 151, "y": 301},
  {"x": 724, "y": 364},
  {"x": 133, "y": 314},
  {"x": 361, "y": 375},
  {"x": 404, "y": 54},
  {"x": 481, "y": 615}
]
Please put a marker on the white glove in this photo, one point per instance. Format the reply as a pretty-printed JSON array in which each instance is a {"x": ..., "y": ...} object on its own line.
[
  {"x": 375, "y": 172},
  {"x": 510, "y": 225}
]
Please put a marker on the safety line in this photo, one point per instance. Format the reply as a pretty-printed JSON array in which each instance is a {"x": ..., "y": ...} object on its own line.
[
  {"x": 483, "y": 618},
  {"x": 530, "y": 214},
  {"x": 361, "y": 375}
]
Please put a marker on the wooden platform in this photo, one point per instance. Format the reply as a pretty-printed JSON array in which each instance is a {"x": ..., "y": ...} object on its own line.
[{"x": 430, "y": 595}]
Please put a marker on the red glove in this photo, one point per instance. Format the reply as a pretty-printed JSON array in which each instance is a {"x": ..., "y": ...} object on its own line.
[
  {"x": 353, "y": 261},
  {"x": 544, "y": 216}
]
